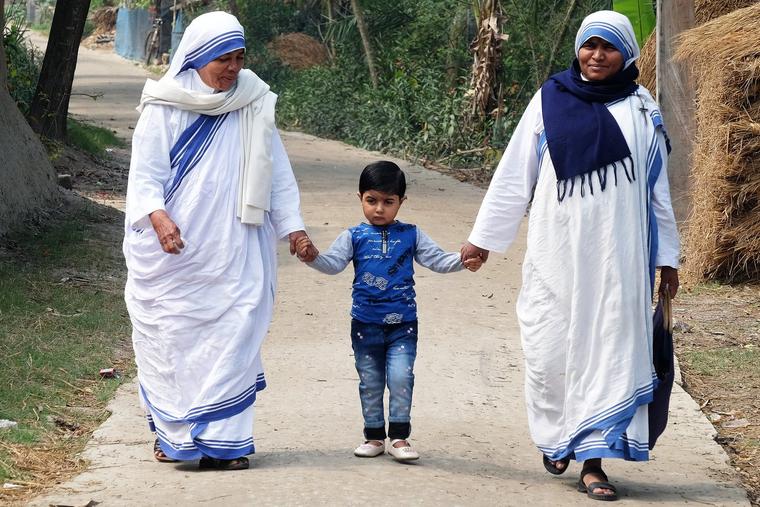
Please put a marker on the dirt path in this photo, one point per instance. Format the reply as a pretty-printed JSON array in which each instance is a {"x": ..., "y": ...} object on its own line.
[{"x": 469, "y": 416}]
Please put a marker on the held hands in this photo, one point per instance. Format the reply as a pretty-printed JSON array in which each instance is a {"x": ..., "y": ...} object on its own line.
[
  {"x": 669, "y": 278},
  {"x": 302, "y": 247},
  {"x": 167, "y": 232},
  {"x": 472, "y": 256},
  {"x": 473, "y": 263}
]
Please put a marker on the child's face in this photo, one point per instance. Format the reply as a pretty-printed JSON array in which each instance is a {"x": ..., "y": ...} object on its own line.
[{"x": 380, "y": 208}]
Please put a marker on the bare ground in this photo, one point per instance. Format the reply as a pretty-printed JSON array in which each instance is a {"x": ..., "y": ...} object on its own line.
[
  {"x": 717, "y": 340},
  {"x": 728, "y": 395}
]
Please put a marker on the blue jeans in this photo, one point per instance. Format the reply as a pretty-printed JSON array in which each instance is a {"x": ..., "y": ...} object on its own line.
[{"x": 384, "y": 355}]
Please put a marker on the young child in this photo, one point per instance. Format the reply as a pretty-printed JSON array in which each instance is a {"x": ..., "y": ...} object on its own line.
[{"x": 384, "y": 312}]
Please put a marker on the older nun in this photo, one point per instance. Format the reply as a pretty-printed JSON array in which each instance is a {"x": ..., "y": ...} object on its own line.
[
  {"x": 210, "y": 192},
  {"x": 590, "y": 153}
]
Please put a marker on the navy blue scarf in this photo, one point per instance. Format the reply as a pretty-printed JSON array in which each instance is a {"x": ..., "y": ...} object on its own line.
[{"x": 581, "y": 134}]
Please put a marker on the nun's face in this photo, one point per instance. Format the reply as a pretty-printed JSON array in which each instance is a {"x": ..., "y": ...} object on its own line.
[
  {"x": 599, "y": 59},
  {"x": 221, "y": 74}
]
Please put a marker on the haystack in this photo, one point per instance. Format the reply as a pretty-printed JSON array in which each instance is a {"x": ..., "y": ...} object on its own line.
[
  {"x": 105, "y": 19},
  {"x": 723, "y": 236},
  {"x": 647, "y": 64},
  {"x": 298, "y": 50},
  {"x": 704, "y": 11},
  {"x": 707, "y": 10}
]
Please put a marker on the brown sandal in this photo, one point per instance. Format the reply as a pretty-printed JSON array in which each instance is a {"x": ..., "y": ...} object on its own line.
[{"x": 160, "y": 455}]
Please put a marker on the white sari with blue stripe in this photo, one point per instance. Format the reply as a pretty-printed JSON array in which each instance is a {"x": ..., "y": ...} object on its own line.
[
  {"x": 199, "y": 318},
  {"x": 585, "y": 305}
]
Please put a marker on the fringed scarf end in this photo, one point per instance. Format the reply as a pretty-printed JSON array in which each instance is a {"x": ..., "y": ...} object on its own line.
[{"x": 601, "y": 174}]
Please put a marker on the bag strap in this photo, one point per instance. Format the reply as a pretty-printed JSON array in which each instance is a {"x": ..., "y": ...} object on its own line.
[{"x": 667, "y": 313}]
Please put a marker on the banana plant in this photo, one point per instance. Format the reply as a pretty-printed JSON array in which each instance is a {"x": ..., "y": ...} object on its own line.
[
  {"x": 487, "y": 58},
  {"x": 642, "y": 16}
]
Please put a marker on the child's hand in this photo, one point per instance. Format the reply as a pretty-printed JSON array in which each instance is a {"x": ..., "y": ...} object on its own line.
[
  {"x": 305, "y": 249},
  {"x": 473, "y": 263}
]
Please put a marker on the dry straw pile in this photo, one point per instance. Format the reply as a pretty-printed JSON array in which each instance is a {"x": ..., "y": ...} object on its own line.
[
  {"x": 647, "y": 64},
  {"x": 105, "y": 18},
  {"x": 723, "y": 237},
  {"x": 704, "y": 11},
  {"x": 707, "y": 10},
  {"x": 298, "y": 50}
]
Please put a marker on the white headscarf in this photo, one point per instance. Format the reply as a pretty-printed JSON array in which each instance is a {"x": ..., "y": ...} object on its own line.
[
  {"x": 613, "y": 27},
  {"x": 208, "y": 37}
]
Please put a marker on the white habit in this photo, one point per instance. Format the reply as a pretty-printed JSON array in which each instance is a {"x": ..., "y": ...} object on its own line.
[
  {"x": 199, "y": 318},
  {"x": 585, "y": 304}
]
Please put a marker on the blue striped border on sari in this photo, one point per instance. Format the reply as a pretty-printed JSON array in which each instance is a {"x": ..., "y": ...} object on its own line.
[{"x": 190, "y": 148}]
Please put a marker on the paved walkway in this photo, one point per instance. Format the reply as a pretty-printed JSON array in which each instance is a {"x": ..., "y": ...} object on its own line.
[{"x": 469, "y": 415}]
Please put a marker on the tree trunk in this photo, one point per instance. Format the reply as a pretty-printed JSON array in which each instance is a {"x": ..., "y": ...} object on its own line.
[
  {"x": 364, "y": 32},
  {"x": 27, "y": 180},
  {"x": 50, "y": 106},
  {"x": 456, "y": 35},
  {"x": 486, "y": 65},
  {"x": 233, "y": 8},
  {"x": 558, "y": 40},
  {"x": 3, "y": 69},
  {"x": 327, "y": 7}
]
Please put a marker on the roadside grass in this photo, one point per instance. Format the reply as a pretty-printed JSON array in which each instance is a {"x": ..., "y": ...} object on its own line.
[
  {"x": 62, "y": 319},
  {"x": 90, "y": 138},
  {"x": 718, "y": 346},
  {"x": 714, "y": 362},
  {"x": 43, "y": 27}
]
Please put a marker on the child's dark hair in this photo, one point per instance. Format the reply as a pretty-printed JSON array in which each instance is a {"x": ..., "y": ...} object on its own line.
[{"x": 383, "y": 176}]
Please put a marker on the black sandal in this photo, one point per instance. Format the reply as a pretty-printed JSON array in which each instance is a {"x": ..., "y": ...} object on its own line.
[
  {"x": 207, "y": 463},
  {"x": 160, "y": 455},
  {"x": 604, "y": 484},
  {"x": 551, "y": 466}
]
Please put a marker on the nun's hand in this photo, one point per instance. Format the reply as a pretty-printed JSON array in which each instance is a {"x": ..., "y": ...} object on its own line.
[
  {"x": 293, "y": 238},
  {"x": 311, "y": 250},
  {"x": 669, "y": 279},
  {"x": 470, "y": 251},
  {"x": 167, "y": 232},
  {"x": 305, "y": 249}
]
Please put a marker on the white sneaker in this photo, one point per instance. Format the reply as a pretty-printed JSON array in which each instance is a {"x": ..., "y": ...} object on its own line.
[
  {"x": 404, "y": 453},
  {"x": 368, "y": 450}
]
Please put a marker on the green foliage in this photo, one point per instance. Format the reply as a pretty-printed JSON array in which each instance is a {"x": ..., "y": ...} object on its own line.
[
  {"x": 263, "y": 21},
  {"x": 407, "y": 114},
  {"x": 422, "y": 52},
  {"x": 44, "y": 16},
  {"x": 533, "y": 27},
  {"x": 22, "y": 59},
  {"x": 90, "y": 138},
  {"x": 642, "y": 14},
  {"x": 89, "y": 28},
  {"x": 97, "y": 4}
]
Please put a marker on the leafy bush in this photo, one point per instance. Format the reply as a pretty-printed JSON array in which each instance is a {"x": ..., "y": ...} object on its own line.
[
  {"x": 23, "y": 60},
  {"x": 416, "y": 110},
  {"x": 422, "y": 53}
]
